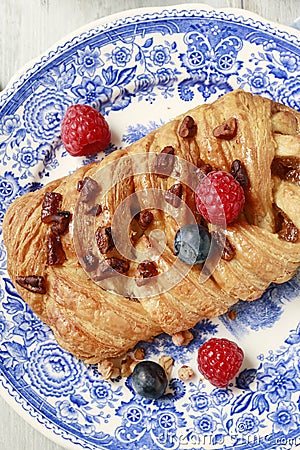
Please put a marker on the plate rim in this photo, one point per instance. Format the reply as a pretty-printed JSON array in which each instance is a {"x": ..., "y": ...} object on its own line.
[{"x": 133, "y": 12}]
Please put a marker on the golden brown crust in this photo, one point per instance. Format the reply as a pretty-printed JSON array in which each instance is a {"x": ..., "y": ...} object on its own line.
[{"x": 95, "y": 324}]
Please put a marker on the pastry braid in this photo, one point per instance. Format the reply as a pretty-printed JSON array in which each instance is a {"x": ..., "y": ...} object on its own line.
[{"x": 262, "y": 246}]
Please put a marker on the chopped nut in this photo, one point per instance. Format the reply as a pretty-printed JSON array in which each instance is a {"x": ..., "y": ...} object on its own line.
[
  {"x": 228, "y": 249},
  {"x": 188, "y": 128},
  {"x": 164, "y": 162},
  {"x": 285, "y": 228},
  {"x": 203, "y": 170},
  {"x": 89, "y": 190},
  {"x": 127, "y": 366},
  {"x": 174, "y": 195},
  {"x": 120, "y": 265},
  {"x": 106, "y": 369},
  {"x": 32, "y": 283},
  {"x": 238, "y": 171},
  {"x": 145, "y": 271},
  {"x": 145, "y": 218},
  {"x": 289, "y": 231},
  {"x": 60, "y": 221},
  {"x": 95, "y": 210},
  {"x": 182, "y": 338},
  {"x": 51, "y": 204},
  {"x": 80, "y": 184},
  {"x": 232, "y": 314},
  {"x": 139, "y": 354},
  {"x": 104, "y": 239},
  {"x": 167, "y": 363},
  {"x": 110, "y": 267},
  {"x": 227, "y": 130},
  {"x": 90, "y": 262},
  {"x": 141, "y": 222},
  {"x": 185, "y": 373},
  {"x": 56, "y": 255}
]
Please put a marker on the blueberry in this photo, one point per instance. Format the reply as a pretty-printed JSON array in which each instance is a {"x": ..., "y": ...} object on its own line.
[
  {"x": 149, "y": 379},
  {"x": 192, "y": 244}
]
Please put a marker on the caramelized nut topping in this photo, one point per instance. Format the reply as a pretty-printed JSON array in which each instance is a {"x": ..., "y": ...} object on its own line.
[
  {"x": 287, "y": 168},
  {"x": 289, "y": 231},
  {"x": 145, "y": 218},
  {"x": 188, "y": 128},
  {"x": 238, "y": 171},
  {"x": 203, "y": 169},
  {"x": 164, "y": 162},
  {"x": 185, "y": 373},
  {"x": 56, "y": 255},
  {"x": 90, "y": 262},
  {"x": 104, "y": 239},
  {"x": 51, "y": 204},
  {"x": 95, "y": 210},
  {"x": 145, "y": 271},
  {"x": 285, "y": 228},
  {"x": 33, "y": 283},
  {"x": 228, "y": 251},
  {"x": 119, "y": 265},
  {"x": 60, "y": 221},
  {"x": 232, "y": 314},
  {"x": 89, "y": 190},
  {"x": 182, "y": 338},
  {"x": 108, "y": 268},
  {"x": 227, "y": 130},
  {"x": 80, "y": 185},
  {"x": 174, "y": 195}
]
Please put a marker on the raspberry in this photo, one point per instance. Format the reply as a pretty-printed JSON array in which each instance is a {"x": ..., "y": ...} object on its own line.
[
  {"x": 219, "y": 360},
  {"x": 84, "y": 131},
  {"x": 219, "y": 198}
]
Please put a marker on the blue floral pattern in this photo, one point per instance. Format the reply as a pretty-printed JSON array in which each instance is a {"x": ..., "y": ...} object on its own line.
[
  {"x": 151, "y": 66},
  {"x": 53, "y": 371},
  {"x": 43, "y": 114},
  {"x": 88, "y": 61}
]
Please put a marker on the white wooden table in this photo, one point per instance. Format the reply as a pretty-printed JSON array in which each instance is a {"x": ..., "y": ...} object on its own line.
[{"x": 28, "y": 28}]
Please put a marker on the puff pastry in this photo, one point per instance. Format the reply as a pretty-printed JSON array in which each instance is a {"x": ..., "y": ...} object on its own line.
[{"x": 95, "y": 324}]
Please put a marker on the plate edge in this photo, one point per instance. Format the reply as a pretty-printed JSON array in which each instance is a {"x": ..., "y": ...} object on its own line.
[{"x": 105, "y": 20}]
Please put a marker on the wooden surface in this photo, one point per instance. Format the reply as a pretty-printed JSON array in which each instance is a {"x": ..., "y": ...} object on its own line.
[{"x": 28, "y": 28}]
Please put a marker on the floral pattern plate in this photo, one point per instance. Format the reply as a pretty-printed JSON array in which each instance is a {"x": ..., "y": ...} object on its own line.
[{"x": 141, "y": 68}]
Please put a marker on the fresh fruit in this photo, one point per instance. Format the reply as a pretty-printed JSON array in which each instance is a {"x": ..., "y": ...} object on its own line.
[
  {"x": 149, "y": 379},
  {"x": 84, "y": 131},
  {"x": 192, "y": 244},
  {"x": 219, "y": 360},
  {"x": 219, "y": 198}
]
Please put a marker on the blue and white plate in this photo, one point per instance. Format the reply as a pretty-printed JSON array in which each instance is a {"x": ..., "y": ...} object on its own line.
[{"x": 141, "y": 68}]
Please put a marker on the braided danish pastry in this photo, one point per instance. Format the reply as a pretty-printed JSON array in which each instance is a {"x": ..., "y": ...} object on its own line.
[{"x": 70, "y": 286}]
